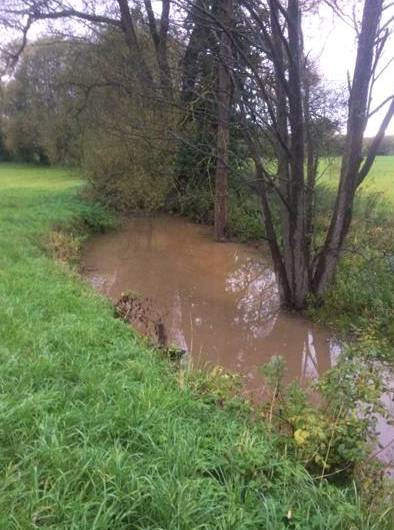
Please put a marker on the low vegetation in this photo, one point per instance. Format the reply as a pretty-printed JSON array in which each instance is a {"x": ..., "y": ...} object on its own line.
[{"x": 99, "y": 431}]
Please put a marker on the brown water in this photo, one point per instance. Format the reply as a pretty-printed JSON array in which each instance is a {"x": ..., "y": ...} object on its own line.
[{"x": 218, "y": 301}]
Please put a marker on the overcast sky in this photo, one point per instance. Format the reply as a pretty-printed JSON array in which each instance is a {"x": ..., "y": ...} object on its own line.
[{"x": 333, "y": 43}]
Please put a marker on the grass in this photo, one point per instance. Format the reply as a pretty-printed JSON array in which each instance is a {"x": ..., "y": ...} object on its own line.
[
  {"x": 361, "y": 299},
  {"x": 379, "y": 180},
  {"x": 95, "y": 431}
]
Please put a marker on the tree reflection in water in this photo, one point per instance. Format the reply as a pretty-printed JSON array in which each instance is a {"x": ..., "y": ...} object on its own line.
[{"x": 218, "y": 301}]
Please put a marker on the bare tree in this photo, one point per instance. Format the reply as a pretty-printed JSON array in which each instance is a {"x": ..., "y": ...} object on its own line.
[
  {"x": 21, "y": 15},
  {"x": 282, "y": 82},
  {"x": 371, "y": 40}
]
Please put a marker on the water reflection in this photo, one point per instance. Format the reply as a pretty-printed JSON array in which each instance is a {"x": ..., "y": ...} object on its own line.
[{"x": 218, "y": 301}]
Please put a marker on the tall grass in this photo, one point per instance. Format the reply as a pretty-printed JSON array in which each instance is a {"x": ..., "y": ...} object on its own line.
[{"x": 95, "y": 432}]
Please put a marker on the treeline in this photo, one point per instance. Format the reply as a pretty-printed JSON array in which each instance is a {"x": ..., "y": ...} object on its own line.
[
  {"x": 199, "y": 109},
  {"x": 336, "y": 145},
  {"x": 78, "y": 103}
]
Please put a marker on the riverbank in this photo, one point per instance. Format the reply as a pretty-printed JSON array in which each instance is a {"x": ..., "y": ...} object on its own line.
[{"x": 96, "y": 429}]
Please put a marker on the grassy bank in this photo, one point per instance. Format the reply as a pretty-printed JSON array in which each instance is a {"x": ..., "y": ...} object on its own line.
[{"x": 95, "y": 431}]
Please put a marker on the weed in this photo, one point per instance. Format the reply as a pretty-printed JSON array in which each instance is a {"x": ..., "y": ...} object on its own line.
[
  {"x": 64, "y": 246},
  {"x": 333, "y": 431}
]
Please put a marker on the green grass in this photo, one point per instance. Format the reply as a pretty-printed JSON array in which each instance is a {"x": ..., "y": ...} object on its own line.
[
  {"x": 379, "y": 180},
  {"x": 361, "y": 299},
  {"x": 95, "y": 432}
]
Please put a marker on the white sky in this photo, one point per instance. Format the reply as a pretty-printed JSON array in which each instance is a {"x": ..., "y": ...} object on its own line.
[{"x": 333, "y": 43}]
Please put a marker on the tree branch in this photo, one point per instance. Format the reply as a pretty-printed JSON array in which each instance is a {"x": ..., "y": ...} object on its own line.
[{"x": 375, "y": 144}]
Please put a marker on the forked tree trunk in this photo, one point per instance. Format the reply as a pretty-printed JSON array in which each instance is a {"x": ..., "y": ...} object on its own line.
[
  {"x": 295, "y": 239},
  {"x": 352, "y": 157},
  {"x": 223, "y": 129}
]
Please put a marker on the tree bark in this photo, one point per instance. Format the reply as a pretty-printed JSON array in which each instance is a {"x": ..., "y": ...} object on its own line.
[
  {"x": 223, "y": 129},
  {"x": 352, "y": 158}
]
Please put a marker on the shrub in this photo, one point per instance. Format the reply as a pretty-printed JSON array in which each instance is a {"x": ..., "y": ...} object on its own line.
[{"x": 331, "y": 432}]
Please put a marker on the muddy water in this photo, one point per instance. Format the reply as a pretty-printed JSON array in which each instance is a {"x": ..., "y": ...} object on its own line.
[{"x": 218, "y": 301}]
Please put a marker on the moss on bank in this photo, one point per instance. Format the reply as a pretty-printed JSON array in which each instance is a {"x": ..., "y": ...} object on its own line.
[{"x": 95, "y": 430}]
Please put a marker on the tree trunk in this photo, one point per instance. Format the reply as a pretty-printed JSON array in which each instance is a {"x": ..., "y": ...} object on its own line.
[
  {"x": 160, "y": 42},
  {"x": 352, "y": 158},
  {"x": 127, "y": 26},
  {"x": 198, "y": 44},
  {"x": 282, "y": 142},
  {"x": 295, "y": 254},
  {"x": 312, "y": 161},
  {"x": 223, "y": 129}
]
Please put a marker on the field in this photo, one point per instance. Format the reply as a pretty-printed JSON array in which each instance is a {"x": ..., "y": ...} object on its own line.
[
  {"x": 95, "y": 430},
  {"x": 379, "y": 180}
]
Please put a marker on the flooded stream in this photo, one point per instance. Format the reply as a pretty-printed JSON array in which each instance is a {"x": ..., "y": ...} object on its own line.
[{"x": 218, "y": 301}]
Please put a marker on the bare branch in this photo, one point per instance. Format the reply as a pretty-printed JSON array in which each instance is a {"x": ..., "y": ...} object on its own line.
[{"x": 380, "y": 106}]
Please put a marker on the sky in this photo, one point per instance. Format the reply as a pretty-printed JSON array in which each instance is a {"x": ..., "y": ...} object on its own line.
[{"x": 332, "y": 42}]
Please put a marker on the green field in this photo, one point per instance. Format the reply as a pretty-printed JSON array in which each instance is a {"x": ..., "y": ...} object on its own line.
[
  {"x": 379, "y": 180},
  {"x": 95, "y": 431}
]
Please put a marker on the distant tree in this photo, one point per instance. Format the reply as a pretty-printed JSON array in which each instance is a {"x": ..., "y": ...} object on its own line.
[
  {"x": 385, "y": 148},
  {"x": 23, "y": 14},
  {"x": 40, "y": 104}
]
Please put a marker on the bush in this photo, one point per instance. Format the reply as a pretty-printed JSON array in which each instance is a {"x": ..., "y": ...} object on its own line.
[
  {"x": 128, "y": 176},
  {"x": 333, "y": 432}
]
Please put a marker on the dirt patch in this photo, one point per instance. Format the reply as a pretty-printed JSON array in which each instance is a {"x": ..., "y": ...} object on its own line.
[{"x": 141, "y": 314}]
